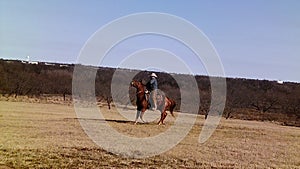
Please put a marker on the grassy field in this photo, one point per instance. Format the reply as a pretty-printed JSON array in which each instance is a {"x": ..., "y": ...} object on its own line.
[{"x": 36, "y": 135}]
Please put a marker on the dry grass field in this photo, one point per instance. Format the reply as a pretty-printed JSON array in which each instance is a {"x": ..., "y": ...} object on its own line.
[{"x": 37, "y": 135}]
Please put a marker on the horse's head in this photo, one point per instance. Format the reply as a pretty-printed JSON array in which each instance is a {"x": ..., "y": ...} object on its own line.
[{"x": 135, "y": 83}]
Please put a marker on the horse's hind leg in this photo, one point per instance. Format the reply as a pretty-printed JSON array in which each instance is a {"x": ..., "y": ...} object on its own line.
[
  {"x": 160, "y": 120},
  {"x": 171, "y": 105},
  {"x": 172, "y": 108},
  {"x": 162, "y": 117}
]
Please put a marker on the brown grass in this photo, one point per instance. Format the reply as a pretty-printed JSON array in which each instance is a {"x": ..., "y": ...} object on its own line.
[{"x": 36, "y": 135}]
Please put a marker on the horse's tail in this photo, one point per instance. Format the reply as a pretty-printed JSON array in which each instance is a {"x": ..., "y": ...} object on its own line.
[{"x": 172, "y": 106}]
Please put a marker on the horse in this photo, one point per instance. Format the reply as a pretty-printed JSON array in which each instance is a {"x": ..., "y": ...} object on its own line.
[{"x": 163, "y": 104}]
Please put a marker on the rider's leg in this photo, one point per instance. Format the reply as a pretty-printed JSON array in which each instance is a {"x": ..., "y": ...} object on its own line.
[{"x": 154, "y": 100}]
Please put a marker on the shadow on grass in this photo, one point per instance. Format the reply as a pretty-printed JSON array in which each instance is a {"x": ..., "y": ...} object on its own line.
[{"x": 112, "y": 120}]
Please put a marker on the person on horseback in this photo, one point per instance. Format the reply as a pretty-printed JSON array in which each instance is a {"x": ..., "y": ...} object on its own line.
[{"x": 153, "y": 91}]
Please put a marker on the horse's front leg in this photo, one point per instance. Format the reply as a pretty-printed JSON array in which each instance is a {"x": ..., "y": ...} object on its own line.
[
  {"x": 137, "y": 116},
  {"x": 141, "y": 116}
]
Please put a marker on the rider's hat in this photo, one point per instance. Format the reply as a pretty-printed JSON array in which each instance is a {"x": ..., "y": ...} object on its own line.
[{"x": 153, "y": 75}]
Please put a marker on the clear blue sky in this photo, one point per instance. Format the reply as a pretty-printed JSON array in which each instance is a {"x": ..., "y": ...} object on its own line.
[{"x": 257, "y": 39}]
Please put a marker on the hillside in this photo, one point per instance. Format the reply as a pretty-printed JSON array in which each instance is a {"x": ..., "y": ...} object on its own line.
[{"x": 246, "y": 99}]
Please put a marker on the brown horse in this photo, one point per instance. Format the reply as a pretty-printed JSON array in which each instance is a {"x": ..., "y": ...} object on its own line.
[{"x": 163, "y": 104}]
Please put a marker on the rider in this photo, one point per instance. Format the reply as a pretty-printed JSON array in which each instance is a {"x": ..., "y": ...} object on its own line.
[{"x": 153, "y": 90}]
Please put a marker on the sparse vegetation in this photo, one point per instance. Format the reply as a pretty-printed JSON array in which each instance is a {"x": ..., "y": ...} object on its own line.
[
  {"x": 36, "y": 135},
  {"x": 246, "y": 99}
]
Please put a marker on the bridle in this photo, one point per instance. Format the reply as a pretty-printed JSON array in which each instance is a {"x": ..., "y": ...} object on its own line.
[{"x": 138, "y": 92}]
